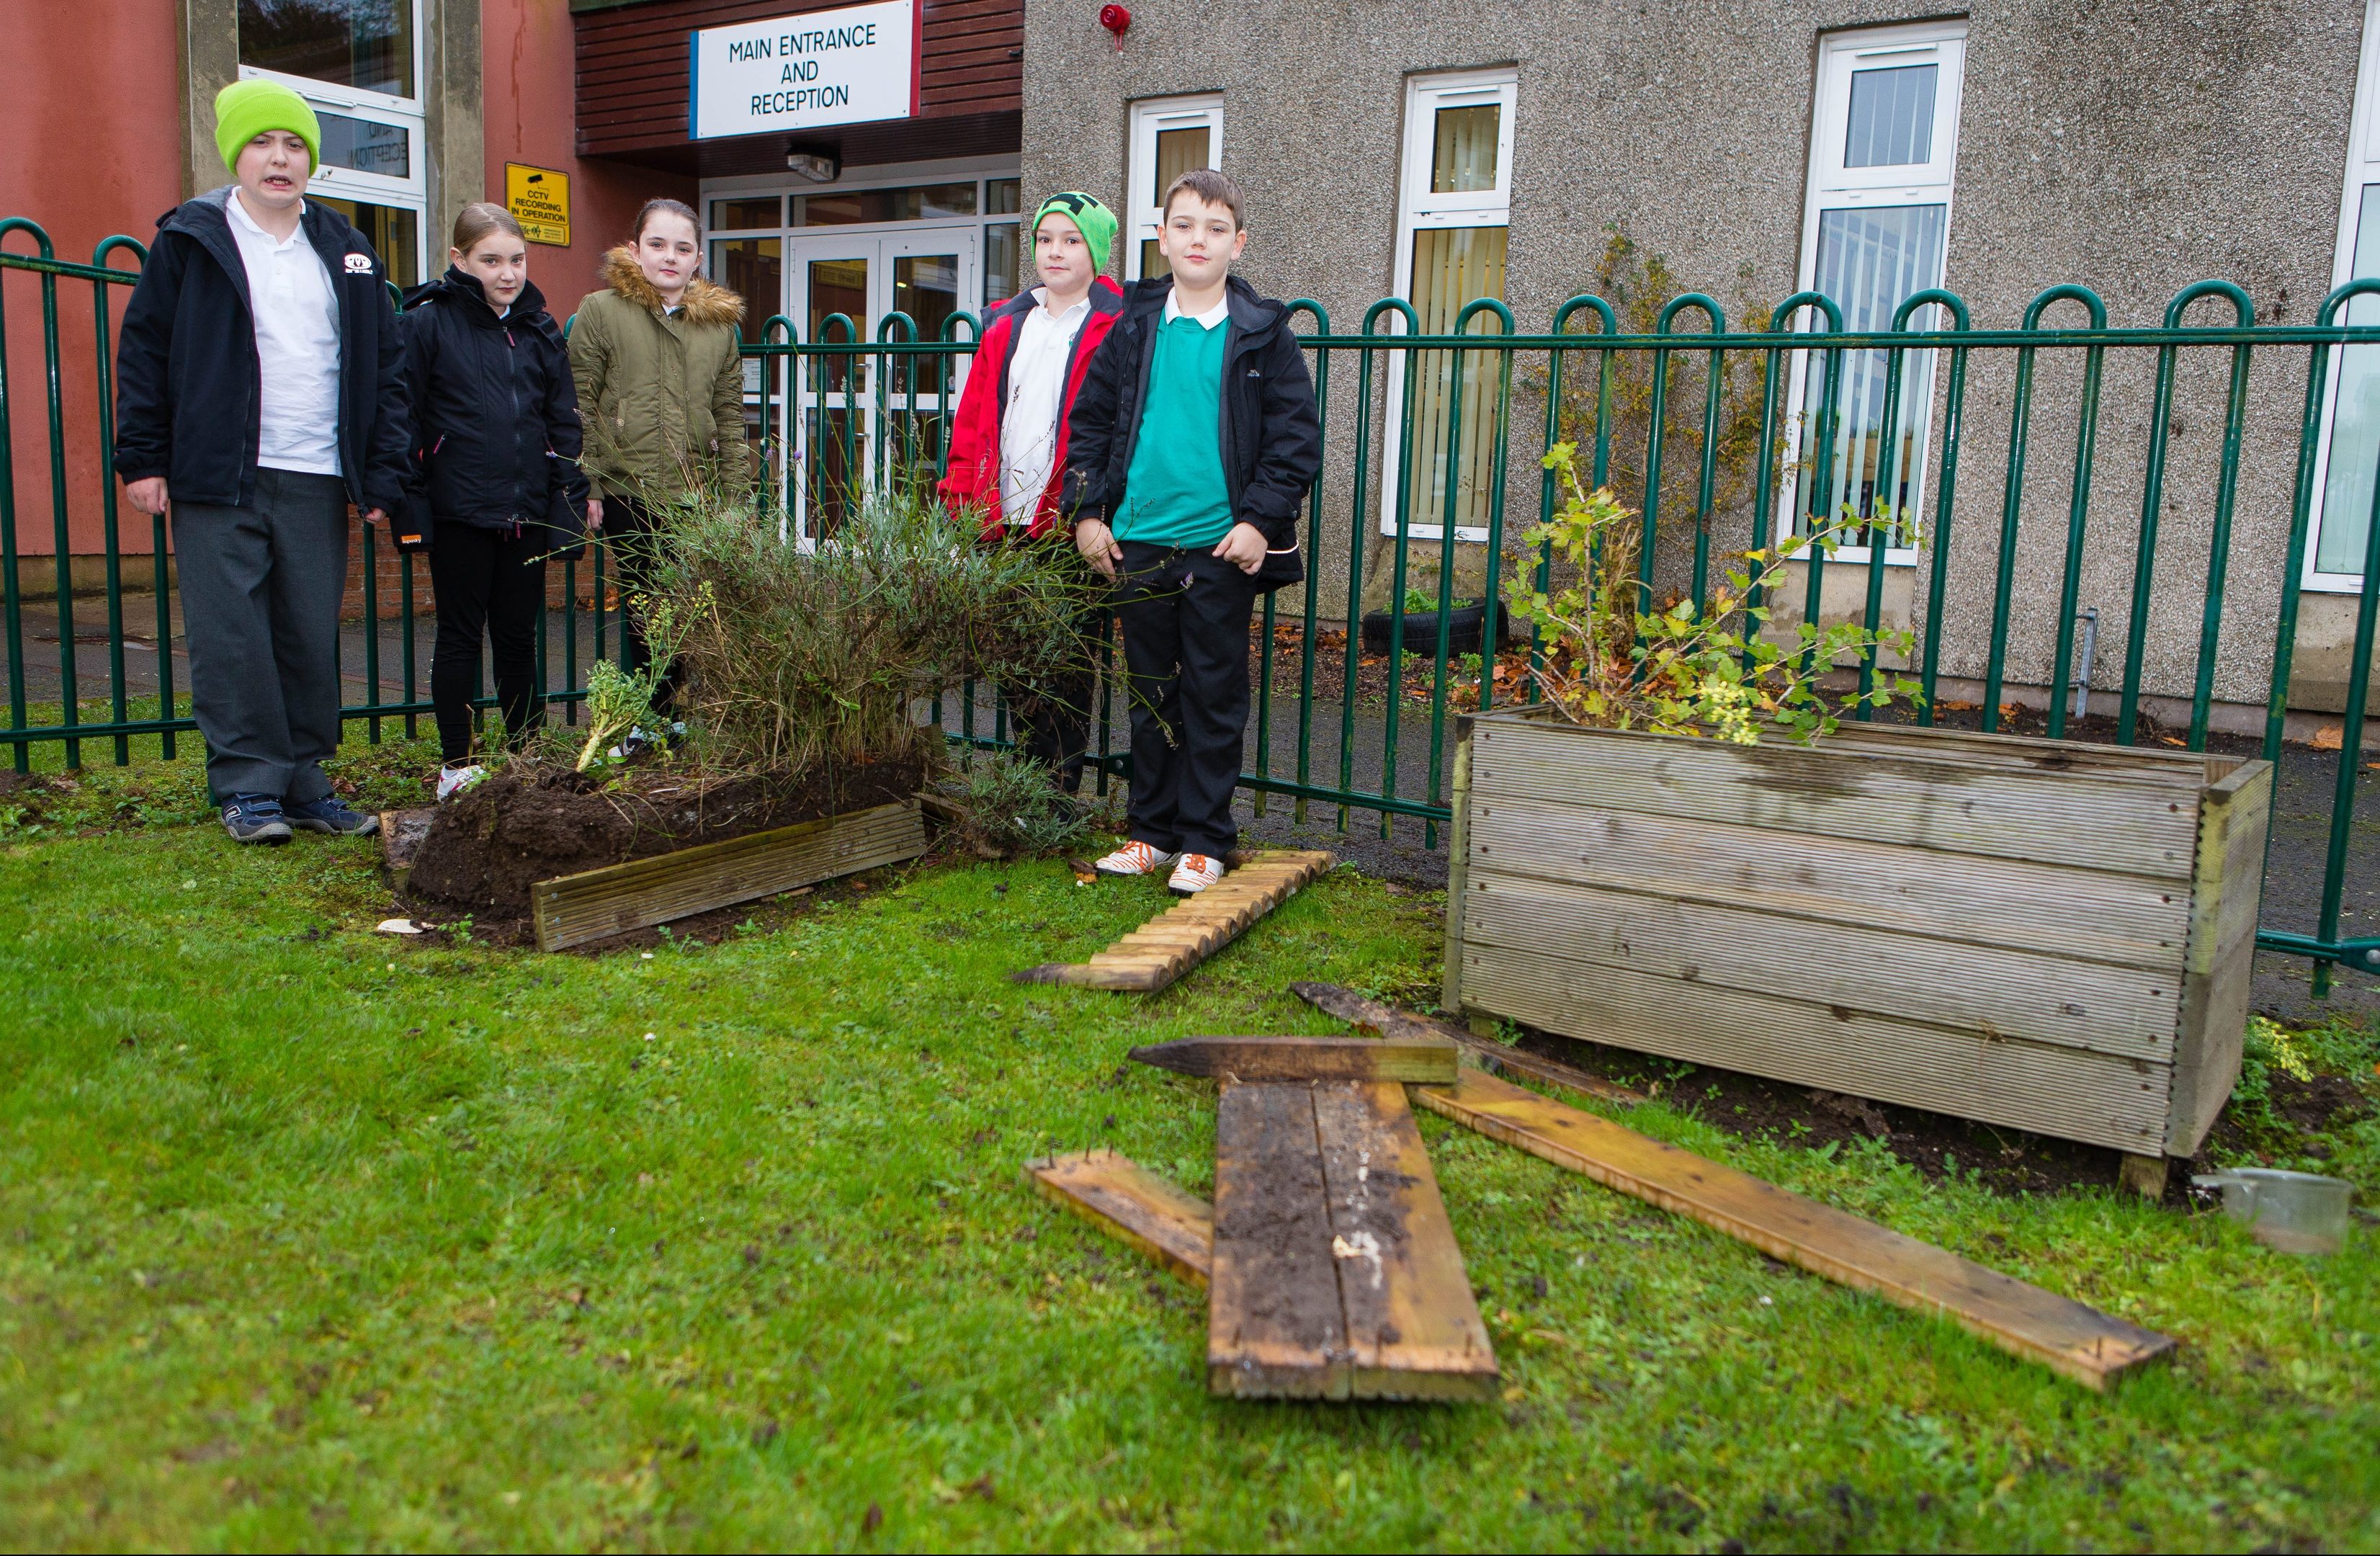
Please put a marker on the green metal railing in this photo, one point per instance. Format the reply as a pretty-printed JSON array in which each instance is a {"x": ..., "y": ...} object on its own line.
[{"x": 875, "y": 406}]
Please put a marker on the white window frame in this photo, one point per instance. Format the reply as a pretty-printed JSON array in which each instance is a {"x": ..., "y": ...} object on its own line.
[
  {"x": 1420, "y": 210},
  {"x": 1833, "y": 187},
  {"x": 410, "y": 192},
  {"x": 2363, "y": 168},
  {"x": 1144, "y": 216}
]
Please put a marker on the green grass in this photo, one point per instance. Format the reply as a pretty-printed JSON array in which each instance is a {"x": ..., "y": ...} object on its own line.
[{"x": 310, "y": 1236}]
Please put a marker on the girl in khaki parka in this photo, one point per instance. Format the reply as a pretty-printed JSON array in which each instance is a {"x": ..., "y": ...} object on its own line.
[{"x": 661, "y": 389}]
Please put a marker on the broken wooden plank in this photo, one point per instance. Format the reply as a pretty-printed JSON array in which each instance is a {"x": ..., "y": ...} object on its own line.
[
  {"x": 1336, "y": 1274},
  {"x": 2068, "y": 1337},
  {"x": 1129, "y": 1202},
  {"x": 1389, "y": 1021},
  {"x": 1414, "y": 1329},
  {"x": 573, "y": 909},
  {"x": 1426, "y": 1062},
  {"x": 1169, "y": 945},
  {"x": 1275, "y": 1327}
]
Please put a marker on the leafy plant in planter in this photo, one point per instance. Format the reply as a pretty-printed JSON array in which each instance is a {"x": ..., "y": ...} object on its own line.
[{"x": 1616, "y": 658}]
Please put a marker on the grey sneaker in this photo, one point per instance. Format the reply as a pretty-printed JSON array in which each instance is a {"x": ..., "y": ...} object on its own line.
[
  {"x": 331, "y": 814},
  {"x": 255, "y": 818}
]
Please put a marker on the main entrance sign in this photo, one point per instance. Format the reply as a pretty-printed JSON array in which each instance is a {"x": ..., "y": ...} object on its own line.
[{"x": 848, "y": 66}]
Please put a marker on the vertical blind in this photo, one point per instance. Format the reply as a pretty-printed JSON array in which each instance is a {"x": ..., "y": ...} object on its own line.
[
  {"x": 1870, "y": 260},
  {"x": 1891, "y": 116},
  {"x": 2355, "y": 421},
  {"x": 1451, "y": 267}
]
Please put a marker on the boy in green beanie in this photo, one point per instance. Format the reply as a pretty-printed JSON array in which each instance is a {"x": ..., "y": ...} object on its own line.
[
  {"x": 1008, "y": 443},
  {"x": 260, "y": 393}
]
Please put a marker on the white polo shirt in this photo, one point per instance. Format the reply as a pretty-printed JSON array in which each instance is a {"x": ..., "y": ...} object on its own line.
[
  {"x": 296, "y": 345},
  {"x": 1037, "y": 392}
]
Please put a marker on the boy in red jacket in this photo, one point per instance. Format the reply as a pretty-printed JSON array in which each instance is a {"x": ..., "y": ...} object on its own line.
[{"x": 1008, "y": 441}]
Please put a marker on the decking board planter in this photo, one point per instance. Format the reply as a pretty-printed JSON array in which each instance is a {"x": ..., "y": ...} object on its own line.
[
  {"x": 2045, "y": 934},
  {"x": 573, "y": 909}
]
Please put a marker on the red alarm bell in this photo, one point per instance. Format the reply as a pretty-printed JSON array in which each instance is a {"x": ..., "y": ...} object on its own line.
[{"x": 1118, "y": 20}]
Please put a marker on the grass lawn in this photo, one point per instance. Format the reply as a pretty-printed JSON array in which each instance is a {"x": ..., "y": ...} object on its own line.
[{"x": 310, "y": 1236}]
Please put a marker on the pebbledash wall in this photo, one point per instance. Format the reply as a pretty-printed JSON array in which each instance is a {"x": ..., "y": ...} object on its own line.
[{"x": 2132, "y": 148}]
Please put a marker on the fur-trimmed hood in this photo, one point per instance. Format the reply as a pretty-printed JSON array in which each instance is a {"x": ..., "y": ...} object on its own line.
[{"x": 707, "y": 302}]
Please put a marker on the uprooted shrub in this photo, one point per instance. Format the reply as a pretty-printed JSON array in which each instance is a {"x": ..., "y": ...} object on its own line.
[
  {"x": 792, "y": 659},
  {"x": 1004, "y": 805}
]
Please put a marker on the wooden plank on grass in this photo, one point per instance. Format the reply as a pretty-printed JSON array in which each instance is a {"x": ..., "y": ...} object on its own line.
[
  {"x": 1428, "y": 1061},
  {"x": 1129, "y": 1202},
  {"x": 1336, "y": 1274},
  {"x": 1152, "y": 956},
  {"x": 1373, "y": 1016},
  {"x": 574, "y": 909},
  {"x": 2062, "y": 1334}
]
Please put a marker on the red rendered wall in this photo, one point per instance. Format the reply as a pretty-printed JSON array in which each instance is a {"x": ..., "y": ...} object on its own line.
[
  {"x": 85, "y": 165},
  {"x": 530, "y": 75}
]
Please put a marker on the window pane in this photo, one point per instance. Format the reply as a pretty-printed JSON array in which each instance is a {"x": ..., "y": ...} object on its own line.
[
  {"x": 1178, "y": 150},
  {"x": 1465, "y": 159},
  {"x": 1153, "y": 262},
  {"x": 366, "y": 44},
  {"x": 754, "y": 268},
  {"x": 837, "y": 286},
  {"x": 1870, "y": 260},
  {"x": 2355, "y": 423},
  {"x": 1452, "y": 266},
  {"x": 1003, "y": 197},
  {"x": 728, "y": 215},
  {"x": 851, "y": 207},
  {"x": 1892, "y": 116},
  {"x": 366, "y": 145},
  {"x": 926, "y": 287},
  {"x": 393, "y": 231},
  {"x": 1001, "y": 279}
]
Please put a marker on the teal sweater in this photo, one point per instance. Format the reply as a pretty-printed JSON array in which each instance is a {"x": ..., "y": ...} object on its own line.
[{"x": 1175, "y": 494}]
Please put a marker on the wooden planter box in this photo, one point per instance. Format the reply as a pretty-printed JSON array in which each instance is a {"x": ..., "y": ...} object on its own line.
[
  {"x": 2045, "y": 934},
  {"x": 573, "y": 909}
]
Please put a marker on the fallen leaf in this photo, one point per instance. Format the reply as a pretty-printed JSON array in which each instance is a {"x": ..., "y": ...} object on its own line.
[
  {"x": 874, "y": 1520},
  {"x": 2330, "y": 737},
  {"x": 1084, "y": 871}
]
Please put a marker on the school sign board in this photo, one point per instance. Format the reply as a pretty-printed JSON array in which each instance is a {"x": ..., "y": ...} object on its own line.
[{"x": 849, "y": 66}]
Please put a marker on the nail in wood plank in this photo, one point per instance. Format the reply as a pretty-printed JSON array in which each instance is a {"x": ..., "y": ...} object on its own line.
[
  {"x": 2067, "y": 1336},
  {"x": 1430, "y": 1062}
]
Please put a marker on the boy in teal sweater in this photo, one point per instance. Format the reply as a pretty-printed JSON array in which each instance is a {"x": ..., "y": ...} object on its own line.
[{"x": 1190, "y": 445}]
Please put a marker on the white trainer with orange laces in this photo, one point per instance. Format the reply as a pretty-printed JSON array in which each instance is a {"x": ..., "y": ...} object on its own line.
[
  {"x": 1194, "y": 874},
  {"x": 1135, "y": 858}
]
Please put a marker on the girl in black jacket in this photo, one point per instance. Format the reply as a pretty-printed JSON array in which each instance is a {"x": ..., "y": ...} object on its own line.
[{"x": 495, "y": 483}]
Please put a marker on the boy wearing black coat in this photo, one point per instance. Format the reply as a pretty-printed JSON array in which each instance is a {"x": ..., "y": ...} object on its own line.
[
  {"x": 1191, "y": 444},
  {"x": 257, "y": 390},
  {"x": 495, "y": 484}
]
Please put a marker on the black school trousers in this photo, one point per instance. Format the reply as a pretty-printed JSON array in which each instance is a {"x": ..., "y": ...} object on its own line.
[
  {"x": 1186, "y": 618},
  {"x": 491, "y": 582}
]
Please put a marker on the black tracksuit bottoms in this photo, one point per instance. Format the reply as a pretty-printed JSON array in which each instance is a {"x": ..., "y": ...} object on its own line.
[
  {"x": 632, "y": 531},
  {"x": 491, "y": 581},
  {"x": 1185, "y": 648}
]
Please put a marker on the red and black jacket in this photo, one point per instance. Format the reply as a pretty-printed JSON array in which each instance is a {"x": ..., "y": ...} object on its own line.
[{"x": 972, "y": 478}]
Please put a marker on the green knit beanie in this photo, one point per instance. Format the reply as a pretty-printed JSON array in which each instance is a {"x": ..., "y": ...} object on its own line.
[
  {"x": 1096, "y": 222},
  {"x": 245, "y": 110}
]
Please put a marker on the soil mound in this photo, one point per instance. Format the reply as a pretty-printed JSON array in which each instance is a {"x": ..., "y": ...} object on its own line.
[{"x": 489, "y": 844}]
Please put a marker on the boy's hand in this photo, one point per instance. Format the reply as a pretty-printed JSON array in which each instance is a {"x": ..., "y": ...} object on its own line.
[
  {"x": 147, "y": 493},
  {"x": 1098, "y": 544},
  {"x": 1243, "y": 547}
]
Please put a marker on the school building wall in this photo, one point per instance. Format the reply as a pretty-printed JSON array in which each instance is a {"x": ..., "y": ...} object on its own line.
[{"x": 2132, "y": 148}]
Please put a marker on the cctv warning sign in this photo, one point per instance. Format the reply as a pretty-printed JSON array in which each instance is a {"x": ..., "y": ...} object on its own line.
[{"x": 538, "y": 199}]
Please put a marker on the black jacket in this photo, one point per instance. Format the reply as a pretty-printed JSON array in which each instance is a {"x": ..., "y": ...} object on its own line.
[
  {"x": 495, "y": 432},
  {"x": 1271, "y": 436},
  {"x": 187, "y": 381}
]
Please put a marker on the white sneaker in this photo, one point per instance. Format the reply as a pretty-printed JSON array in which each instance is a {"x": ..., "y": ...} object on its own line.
[
  {"x": 454, "y": 780},
  {"x": 1133, "y": 858},
  {"x": 1194, "y": 874}
]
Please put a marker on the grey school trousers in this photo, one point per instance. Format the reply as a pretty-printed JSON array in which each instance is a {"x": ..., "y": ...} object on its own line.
[{"x": 260, "y": 590}]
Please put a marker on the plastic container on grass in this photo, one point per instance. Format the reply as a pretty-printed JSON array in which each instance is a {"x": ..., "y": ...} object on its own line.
[{"x": 2295, "y": 1212}]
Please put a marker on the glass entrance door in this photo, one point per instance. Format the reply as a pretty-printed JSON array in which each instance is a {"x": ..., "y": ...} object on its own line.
[{"x": 861, "y": 418}]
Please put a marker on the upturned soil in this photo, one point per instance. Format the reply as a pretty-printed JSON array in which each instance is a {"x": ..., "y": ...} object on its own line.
[{"x": 489, "y": 844}]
